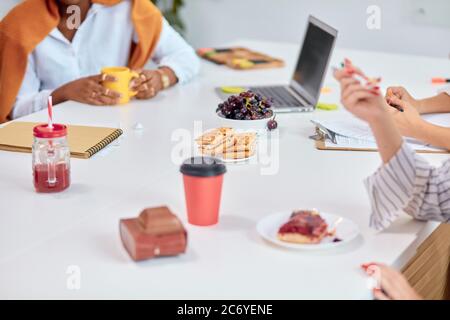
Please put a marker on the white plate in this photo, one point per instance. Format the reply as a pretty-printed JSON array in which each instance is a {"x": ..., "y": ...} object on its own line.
[
  {"x": 198, "y": 153},
  {"x": 256, "y": 125},
  {"x": 237, "y": 160},
  {"x": 346, "y": 231}
]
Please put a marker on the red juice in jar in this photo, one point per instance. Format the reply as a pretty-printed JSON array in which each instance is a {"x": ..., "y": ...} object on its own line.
[
  {"x": 51, "y": 158},
  {"x": 42, "y": 184}
]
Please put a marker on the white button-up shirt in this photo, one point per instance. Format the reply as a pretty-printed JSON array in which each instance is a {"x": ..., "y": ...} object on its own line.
[{"x": 102, "y": 40}]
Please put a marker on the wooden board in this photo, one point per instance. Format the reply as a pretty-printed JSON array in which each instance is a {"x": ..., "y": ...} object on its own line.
[
  {"x": 429, "y": 270},
  {"x": 240, "y": 58},
  {"x": 320, "y": 145}
]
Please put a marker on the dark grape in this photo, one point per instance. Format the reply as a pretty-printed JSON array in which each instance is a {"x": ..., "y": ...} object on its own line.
[
  {"x": 272, "y": 124},
  {"x": 246, "y": 106}
]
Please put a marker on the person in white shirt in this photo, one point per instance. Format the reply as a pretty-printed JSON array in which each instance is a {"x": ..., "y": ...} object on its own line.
[
  {"x": 67, "y": 63},
  {"x": 404, "y": 183}
]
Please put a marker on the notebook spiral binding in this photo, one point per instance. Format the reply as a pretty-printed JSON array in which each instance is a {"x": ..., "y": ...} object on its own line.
[{"x": 102, "y": 144}]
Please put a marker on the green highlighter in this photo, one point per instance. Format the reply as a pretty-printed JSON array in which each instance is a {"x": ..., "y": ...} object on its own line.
[
  {"x": 232, "y": 90},
  {"x": 327, "y": 106}
]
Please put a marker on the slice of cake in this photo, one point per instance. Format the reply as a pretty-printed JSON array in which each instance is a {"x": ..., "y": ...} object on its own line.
[{"x": 304, "y": 227}]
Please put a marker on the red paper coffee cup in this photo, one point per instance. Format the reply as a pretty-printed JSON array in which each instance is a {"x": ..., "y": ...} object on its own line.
[{"x": 203, "y": 179}]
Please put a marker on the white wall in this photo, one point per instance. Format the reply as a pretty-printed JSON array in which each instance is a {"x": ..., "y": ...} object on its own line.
[
  {"x": 212, "y": 22},
  {"x": 6, "y": 5}
]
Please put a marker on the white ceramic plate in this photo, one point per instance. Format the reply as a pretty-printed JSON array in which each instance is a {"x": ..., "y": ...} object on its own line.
[
  {"x": 237, "y": 160},
  {"x": 257, "y": 125},
  {"x": 346, "y": 231}
]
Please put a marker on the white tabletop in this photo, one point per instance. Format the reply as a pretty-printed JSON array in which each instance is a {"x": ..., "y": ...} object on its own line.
[{"x": 41, "y": 236}]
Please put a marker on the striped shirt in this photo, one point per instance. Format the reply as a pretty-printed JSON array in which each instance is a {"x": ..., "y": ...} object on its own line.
[
  {"x": 445, "y": 89},
  {"x": 409, "y": 184}
]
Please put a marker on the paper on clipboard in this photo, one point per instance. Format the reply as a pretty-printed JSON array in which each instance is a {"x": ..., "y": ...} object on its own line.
[{"x": 354, "y": 135}]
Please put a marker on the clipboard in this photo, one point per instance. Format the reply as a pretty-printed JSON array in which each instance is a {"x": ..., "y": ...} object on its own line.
[{"x": 321, "y": 137}]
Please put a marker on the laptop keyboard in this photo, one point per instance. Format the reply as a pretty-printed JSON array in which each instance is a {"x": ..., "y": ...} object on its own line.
[{"x": 280, "y": 95}]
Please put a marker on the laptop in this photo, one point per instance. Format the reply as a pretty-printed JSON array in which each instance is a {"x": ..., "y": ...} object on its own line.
[{"x": 302, "y": 94}]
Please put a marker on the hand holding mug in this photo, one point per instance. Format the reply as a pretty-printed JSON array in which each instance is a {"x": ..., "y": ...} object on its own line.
[
  {"x": 149, "y": 84},
  {"x": 88, "y": 90},
  {"x": 124, "y": 77}
]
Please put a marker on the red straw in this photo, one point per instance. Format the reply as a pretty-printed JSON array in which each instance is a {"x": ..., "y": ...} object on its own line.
[{"x": 50, "y": 112}]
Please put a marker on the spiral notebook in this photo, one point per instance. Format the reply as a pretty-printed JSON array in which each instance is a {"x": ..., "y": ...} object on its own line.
[{"x": 84, "y": 141}]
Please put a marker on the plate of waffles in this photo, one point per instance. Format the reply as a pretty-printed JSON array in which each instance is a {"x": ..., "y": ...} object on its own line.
[
  {"x": 307, "y": 230},
  {"x": 228, "y": 144}
]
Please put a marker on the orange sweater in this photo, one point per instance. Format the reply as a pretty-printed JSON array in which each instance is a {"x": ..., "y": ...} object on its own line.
[{"x": 31, "y": 21}]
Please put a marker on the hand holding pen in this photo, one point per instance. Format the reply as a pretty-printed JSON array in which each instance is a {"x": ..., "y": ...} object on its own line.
[
  {"x": 372, "y": 84},
  {"x": 362, "y": 99}
]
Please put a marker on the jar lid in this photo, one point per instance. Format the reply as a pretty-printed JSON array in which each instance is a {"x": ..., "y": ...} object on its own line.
[
  {"x": 44, "y": 131},
  {"x": 203, "y": 167}
]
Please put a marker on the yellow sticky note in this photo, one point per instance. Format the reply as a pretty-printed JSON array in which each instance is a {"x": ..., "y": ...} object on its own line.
[
  {"x": 243, "y": 63},
  {"x": 232, "y": 90},
  {"x": 327, "y": 106},
  {"x": 326, "y": 90}
]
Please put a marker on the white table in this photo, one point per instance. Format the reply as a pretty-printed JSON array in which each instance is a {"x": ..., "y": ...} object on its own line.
[{"x": 42, "y": 235}]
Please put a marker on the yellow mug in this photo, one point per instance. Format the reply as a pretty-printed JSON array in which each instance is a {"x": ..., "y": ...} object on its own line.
[{"x": 123, "y": 77}]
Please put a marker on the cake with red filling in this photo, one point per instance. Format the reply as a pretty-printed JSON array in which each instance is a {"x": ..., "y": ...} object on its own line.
[{"x": 304, "y": 227}]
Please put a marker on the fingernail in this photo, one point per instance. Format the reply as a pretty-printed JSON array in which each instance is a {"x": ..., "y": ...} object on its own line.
[
  {"x": 369, "y": 264},
  {"x": 364, "y": 265}
]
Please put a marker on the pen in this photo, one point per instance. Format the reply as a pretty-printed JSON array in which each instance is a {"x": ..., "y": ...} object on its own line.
[
  {"x": 370, "y": 82},
  {"x": 395, "y": 106},
  {"x": 440, "y": 80}
]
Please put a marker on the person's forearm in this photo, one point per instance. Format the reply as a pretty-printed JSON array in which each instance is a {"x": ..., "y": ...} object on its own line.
[
  {"x": 435, "y": 135},
  {"x": 59, "y": 95},
  {"x": 436, "y": 104},
  {"x": 171, "y": 74},
  {"x": 387, "y": 135},
  {"x": 30, "y": 103}
]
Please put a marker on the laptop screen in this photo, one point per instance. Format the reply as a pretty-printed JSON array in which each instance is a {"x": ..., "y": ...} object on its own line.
[{"x": 313, "y": 62}]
